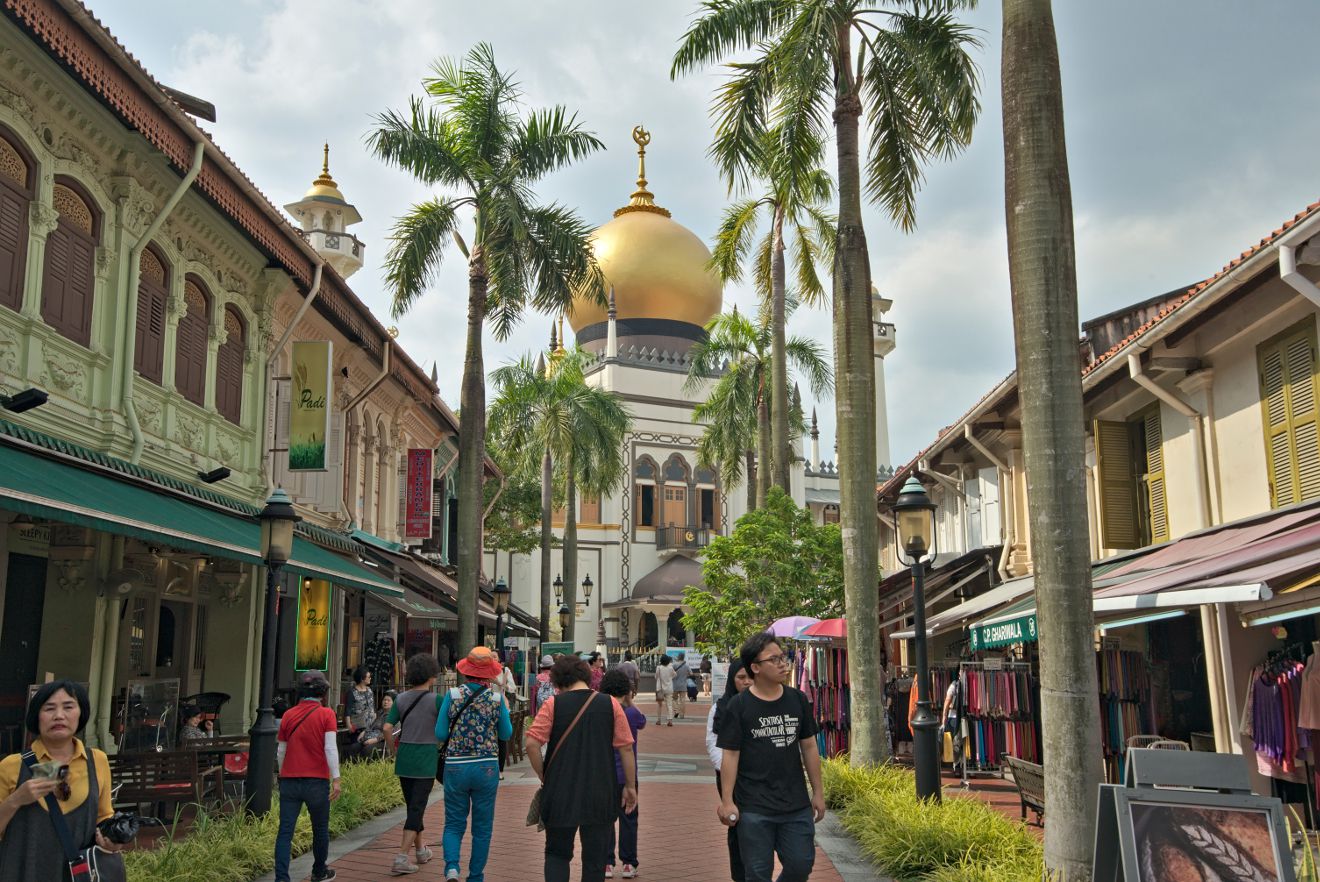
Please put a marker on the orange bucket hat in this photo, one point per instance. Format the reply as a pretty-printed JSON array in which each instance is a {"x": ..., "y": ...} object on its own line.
[{"x": 480, "y": 664}]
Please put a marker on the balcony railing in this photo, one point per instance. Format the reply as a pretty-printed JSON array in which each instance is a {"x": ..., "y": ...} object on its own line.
[{"x": 674, "y": 537}]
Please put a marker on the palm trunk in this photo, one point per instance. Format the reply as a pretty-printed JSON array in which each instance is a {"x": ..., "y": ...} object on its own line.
[
  {"x": 763, "y": 457},
  {"x": 547, "y": 542},
  {"x": 471, "y": 455},
  {"x": 1043, "y": 276},
  {"x": 781, "y": 449},
  {"x": 570, "y": 547},
  {"x": 855, "y": 400},
  {"x": 751, "y": 480}
]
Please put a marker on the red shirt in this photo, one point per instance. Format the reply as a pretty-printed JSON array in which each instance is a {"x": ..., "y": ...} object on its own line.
[{"x": 304, "y": 755}]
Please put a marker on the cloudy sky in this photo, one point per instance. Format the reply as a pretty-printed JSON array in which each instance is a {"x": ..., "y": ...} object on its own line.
[{"x": 1191, "y": 132}]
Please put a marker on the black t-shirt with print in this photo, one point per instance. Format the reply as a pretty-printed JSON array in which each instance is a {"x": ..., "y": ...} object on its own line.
[{"x": 771, "y": 780}]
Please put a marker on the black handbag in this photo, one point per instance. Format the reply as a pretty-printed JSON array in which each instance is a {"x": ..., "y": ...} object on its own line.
[
  {"x": 91, "y": 864},
  {"x": 443, "y": 750}
]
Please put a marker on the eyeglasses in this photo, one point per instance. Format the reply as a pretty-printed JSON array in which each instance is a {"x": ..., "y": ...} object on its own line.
[
  {"x": 773, "y": 660},
  {"x": 63, "y": 790}
]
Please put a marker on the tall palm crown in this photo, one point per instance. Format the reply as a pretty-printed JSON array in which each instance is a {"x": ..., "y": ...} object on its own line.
[
  {"x": 473, "y": 139},
  {"x": 793, "y": 194},
  {"x": 737, "y": 411},
  {"x": 904, "y": 64}
]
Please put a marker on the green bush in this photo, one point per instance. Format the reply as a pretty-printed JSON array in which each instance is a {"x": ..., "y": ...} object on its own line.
[
  {"x": 956, "y": 840},
  {"x": 236, "y": 848}
]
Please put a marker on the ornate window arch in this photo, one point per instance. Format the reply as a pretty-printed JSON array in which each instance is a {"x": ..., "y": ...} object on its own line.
[
  {"x": 830, "y": 514},
  {"x": 229, "y": 366},
  {"x": 192, "y": 341},
  {"x": 18, "y": 174},
  {"x": 646, "y": 475},
  {"x": 152, "y": 307},
  {"x": 674, "y": 508},
  {"x": 68, "y": 276}
]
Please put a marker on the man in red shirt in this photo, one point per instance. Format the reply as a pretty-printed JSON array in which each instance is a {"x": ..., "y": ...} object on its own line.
[{"x": 308, "y": 756}]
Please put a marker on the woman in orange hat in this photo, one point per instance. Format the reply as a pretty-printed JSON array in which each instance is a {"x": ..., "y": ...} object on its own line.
[{"x": 474, "y": 719}]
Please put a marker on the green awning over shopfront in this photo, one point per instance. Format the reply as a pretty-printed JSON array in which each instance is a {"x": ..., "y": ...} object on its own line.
[{"x": 45, "y": 487}]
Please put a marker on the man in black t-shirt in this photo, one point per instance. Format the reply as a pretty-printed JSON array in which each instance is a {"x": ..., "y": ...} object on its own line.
[{"x": 768, "y": 735}]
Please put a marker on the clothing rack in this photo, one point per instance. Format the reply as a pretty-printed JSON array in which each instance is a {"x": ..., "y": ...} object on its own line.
[
  {"x": 1126, "y": 704},
  {"x": 1001, "y": 713},
  {"x": 821, "y": 672}
]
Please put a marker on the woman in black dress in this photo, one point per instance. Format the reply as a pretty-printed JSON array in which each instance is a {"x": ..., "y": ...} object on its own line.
[{"x": 580, "y": 731}]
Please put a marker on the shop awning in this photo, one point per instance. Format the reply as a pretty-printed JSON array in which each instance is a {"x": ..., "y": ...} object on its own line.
[
  {"x": 418, "y": 608},
  {"x": 63, "y": 491}
]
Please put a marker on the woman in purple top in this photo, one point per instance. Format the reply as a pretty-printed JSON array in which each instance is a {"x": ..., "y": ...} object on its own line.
[{"x": 616, "y": 683}]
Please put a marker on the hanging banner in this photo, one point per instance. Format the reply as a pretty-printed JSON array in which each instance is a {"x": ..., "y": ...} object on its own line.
[
  {"x": 417, "y": 494},
  {"x": 309, "y": 413},
  {"x": 312, "y": 649}
]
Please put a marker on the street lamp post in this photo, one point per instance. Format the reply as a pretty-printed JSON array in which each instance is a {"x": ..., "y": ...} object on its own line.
[
  {"x": 501, "y": 593},
  {"x": 565, "y": 617},
  {"x": 914, "y": 523},
  {"x": 277, "y": 520},
  {"x": 587, "y": 585}
]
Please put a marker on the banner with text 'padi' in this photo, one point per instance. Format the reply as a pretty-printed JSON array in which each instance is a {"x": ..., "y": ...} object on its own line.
[
  {"x": 309, "y": 412},
  {"x": 312, "y": 648},
  {"x": 417, "y": 494}
]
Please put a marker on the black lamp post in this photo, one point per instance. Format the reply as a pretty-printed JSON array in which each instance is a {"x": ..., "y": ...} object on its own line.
[
  {"x": 502, "y": 594},
  {"x": 558, "y": 584},
  {"x": 565, "y": 617},
  {"x": 277, "y": 520},
  {"x": 587, "y": 585},
  {"x": 914, "y": 524}
]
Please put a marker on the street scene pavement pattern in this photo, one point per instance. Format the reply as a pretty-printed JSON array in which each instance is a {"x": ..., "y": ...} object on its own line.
[{"x": 680, "y": 839}]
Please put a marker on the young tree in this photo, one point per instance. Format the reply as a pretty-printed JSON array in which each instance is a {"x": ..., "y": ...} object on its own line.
[
  {"x": 912, "y": 76},
  {"x": 473, "y": 142},
  {"x": 777, "y": 562},
  {"x": 1043, "y": 274}
]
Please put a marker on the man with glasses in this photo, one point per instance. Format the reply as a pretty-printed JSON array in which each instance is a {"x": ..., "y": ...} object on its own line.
[{"x": 768, "y": 735}]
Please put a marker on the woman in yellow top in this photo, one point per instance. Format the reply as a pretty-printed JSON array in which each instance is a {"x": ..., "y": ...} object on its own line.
[{"x": 29, "y": 846}]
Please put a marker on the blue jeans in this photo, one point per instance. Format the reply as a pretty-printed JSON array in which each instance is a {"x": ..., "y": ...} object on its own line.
[
  {"x": 791, "y": 836},
  {"x": 470, "y": 785},
  {"x": 294, "y": 794}
]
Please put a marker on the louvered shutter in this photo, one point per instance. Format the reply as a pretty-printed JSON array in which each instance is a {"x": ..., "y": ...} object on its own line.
[
  {"x": 80, "y": 286},
  {"x": 1117, "y": 486},
  {"x": 1299, "y": 352},
  {"x": 1289, "y": 409},
  {"x": 1274, "y": 405},
  {"x": 229, "y": 370},
  {"x": 332, "y": 479},
  {"x": 1157, "y": 504},
  {"x": 191, "y": 345},
  {"x": 54, "y": 276},
  {"x": 13, "y": 245},
  {"x": 149, "y": 350}
]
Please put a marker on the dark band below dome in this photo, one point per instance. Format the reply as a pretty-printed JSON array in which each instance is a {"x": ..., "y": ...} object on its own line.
[{"x": 642, "y": 327}]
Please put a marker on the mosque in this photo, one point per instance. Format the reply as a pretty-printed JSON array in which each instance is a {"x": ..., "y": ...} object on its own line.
[{"x": 641, "y": 546}]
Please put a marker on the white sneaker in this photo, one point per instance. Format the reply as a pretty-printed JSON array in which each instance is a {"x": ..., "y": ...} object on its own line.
[
  {"x": 402, "y": 866},
  {"x": 609, "y": 871},
  {"x": 629, "y": 871},
  {"x": 451, "y": 874},
  {"x": 423, "y": 854}
]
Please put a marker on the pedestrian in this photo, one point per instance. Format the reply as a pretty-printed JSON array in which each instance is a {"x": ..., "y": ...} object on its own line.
[
  {"x": 30, "y": 846},
  {"x": 544, "y": 688},
  {"x": 768, "y": 736},
  {"x": 360, "y": 705},
  {"x": 192, "y": 725},
  {"x": 581, "y": 731},
  {"x": 415, "y": 713},
  {"x": 616, "y": 683},
  {"x": 681, "y": 674},
  {"x": 630, "y": 670},
  {"x": 692, "y": 686},
  {"x": 706, "y": 672},
  {"x": 474, "y": 720},
  {"x": 664, "y": 688},
  {"x": 508, "y": 686},
  {"x": 307, "y": 753},
  {"x": 386, "y": 742},
  {"x": 738, "y": 681},
  {"x": 597, "y": 663}
]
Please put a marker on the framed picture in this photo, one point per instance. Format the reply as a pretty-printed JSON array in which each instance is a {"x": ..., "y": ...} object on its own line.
[{"x": 1200, "y": 836}]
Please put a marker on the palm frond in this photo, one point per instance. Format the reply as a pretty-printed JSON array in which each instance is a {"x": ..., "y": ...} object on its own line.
[
  {"x": 423, "y": 144},
  {"x": 809, "y": 358},
  {"x": 733, "y": 240},
  {"x": 417, "y": 249},
  {"x": 722, "y": 27},
  {"x": 549, "y": 139}
]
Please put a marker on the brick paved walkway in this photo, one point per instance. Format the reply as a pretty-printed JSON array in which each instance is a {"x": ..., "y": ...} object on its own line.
[{"x": 681, "y": 840}]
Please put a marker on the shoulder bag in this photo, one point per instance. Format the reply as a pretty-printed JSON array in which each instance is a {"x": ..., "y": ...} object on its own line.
[
  {"x": 443, "y": 749},
  {"x": 534, "y": 810},
  {"x": 90, "y": 864}
]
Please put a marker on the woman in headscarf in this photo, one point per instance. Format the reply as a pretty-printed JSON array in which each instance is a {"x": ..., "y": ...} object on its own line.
[{"x": 738, "y": 681}]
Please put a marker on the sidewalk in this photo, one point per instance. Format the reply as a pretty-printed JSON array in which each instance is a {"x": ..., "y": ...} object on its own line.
[{"x": 681, "y": 840}]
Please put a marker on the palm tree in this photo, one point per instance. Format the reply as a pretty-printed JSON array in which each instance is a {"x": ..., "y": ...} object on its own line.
[
  {"x": 913, "y": 77},
  {"x": 737, "y": 410},
  {"x": 1043, "y": 274},
  {"x": 473, "y": 142},
  {"x": 550, "y": 415},
  {"x": 796, "y": 194}
]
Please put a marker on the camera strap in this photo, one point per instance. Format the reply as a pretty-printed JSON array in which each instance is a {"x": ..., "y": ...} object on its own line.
[{"x": 78, "y": 865}]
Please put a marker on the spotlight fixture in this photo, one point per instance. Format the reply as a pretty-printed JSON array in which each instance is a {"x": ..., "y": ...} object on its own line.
[
  {"x": 216, "y": 474},
  {"x": 25, "y": 400}
]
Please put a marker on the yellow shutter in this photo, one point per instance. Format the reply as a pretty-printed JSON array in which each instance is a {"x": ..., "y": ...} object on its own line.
[
  {"x": 1117, "y": 487},
  {"x": 1289, "y": 411},
  {"x": 1157, "y": 505}
]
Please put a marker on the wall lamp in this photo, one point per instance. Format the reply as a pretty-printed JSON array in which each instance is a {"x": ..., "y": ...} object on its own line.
[
  {"x": 25, "y": 400},
  {"x": 216, "y": 474}
]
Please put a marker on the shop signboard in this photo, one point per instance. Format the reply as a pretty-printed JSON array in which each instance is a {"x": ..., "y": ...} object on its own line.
[
  {"x": 418, "y": 490},
  {"x": 312, "y": 649},
  {"x": 309, "y": 411},
  {"x": 554, "y": 649},
  {"x": 30, "y": 539},
  {"x": 1019, "y": 630}
]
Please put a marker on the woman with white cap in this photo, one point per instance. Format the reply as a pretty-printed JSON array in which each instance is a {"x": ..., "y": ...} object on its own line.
[
  {"x": 544, "y": 688},
  {"x": 473, "y": 719}
]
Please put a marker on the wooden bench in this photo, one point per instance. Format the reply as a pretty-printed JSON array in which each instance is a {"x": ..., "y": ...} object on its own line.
[
  {"x": 1029, "y": 778},
  {"x": 173, "y": 777}
]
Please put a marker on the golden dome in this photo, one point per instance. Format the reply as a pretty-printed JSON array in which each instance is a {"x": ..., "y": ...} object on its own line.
[
  {"x": 324, "y": 186},
  {"x": 658, "y": 268}
]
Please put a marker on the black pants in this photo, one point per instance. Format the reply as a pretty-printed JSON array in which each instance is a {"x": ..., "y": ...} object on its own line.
[
  {"x": 595, "y": 851},
  {"x": 736, "y": 872},
  {"x": 504, "y": 755},
  {"x": 416, "y": 791}
]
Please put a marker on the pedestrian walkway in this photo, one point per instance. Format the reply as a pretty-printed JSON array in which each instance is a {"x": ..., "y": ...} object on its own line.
[{"x": 681, "y": 840}]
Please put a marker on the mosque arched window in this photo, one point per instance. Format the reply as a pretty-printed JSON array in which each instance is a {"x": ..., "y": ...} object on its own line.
[
  {"x": 677, "y": 477},
  {"x": 645, "y": 472}
]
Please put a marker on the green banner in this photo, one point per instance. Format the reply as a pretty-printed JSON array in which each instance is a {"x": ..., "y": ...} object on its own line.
[
  {"x": 554, "y": 649},
  {"x": 1019, "y": 630}
]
